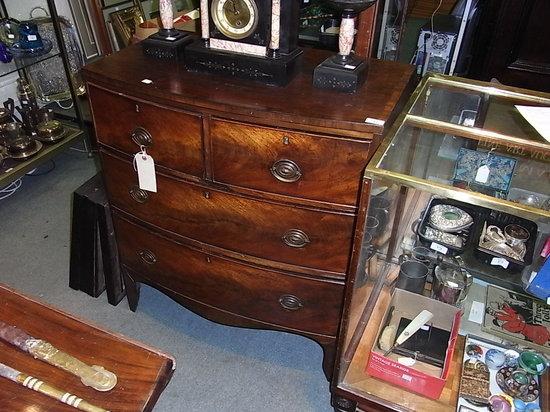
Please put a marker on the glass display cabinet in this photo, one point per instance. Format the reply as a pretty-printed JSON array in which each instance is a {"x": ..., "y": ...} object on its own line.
[
  {"x": 460, "y": 155},
  {"x": 41, "y": 110}
]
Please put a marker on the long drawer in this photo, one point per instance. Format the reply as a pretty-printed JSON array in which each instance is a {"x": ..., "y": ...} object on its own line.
[
  {"x": 296, "y": 164},
  {"x": 175, "y": 137},
  {"x": 282, "y": 233},
  {"x": 272, "y": 297}
]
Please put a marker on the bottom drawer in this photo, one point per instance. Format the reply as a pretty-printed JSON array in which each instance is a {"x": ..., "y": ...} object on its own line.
[{"x": 292, "y": 302}]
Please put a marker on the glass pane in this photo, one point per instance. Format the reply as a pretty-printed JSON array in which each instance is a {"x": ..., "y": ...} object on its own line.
[
  {"x": 504, "y": 172},
  {"x": 502, "y": 116},
  {"x": 448, "y": 105},
  {"x": 376, "y": 247}
]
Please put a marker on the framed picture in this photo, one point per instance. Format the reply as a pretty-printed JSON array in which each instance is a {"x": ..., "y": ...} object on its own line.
[
  {"x": 85, "y": 31},
  {"x": 124, "y": 23},
  {"x": 518, "y": 318}
]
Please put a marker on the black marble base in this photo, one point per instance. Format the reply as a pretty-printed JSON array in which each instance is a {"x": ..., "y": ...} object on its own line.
[
  {"x": 275, "y": 71},
  {"x": 167, "y": 45},
  {"x": 343, "y": 76}
]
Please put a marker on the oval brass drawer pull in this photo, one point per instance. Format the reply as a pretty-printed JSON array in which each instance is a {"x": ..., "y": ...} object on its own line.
[
  {"x": 142, "y": 137},
  {"x": 286, "y": 171},
  {"x": 138, "y": 194},
  {"x": 147, "y": 257},
  {"x": 290, "y": 302},
  {"x": 296, "y": 238}
]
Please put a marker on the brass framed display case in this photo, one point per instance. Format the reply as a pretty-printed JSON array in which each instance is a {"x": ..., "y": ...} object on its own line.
[{"x": 462, "y": 144}]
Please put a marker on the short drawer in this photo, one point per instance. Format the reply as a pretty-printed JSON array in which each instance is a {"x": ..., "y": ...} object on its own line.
[
  {"x": 297, "y": 236},
  {"x": 289, "y": 163},
  {"x": 173, "y": 138},
  {"x": 272, "y": 297}
]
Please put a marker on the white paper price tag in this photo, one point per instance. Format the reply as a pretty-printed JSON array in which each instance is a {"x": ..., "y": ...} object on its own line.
[
  {"x": 31, "y": 37},
  {"x": 482, "y": 175},
  {"x": 477, "y": 311},
  {"x": 439, "y": 248},
  {"x": 496, "y": 261},
  {"x": 145, "y": 167}
]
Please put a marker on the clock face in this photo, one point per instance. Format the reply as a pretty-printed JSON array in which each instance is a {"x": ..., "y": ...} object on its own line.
[{"x": 236, "y": 19}]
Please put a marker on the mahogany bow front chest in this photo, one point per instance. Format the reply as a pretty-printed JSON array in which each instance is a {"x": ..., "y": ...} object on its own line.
[{"x": 254, "y": 217}]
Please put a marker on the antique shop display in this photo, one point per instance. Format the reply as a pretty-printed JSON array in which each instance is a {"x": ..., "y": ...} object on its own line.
[
  {"x": 421, "y": 339},
  {"x": 40, "y": 386},
  {"x": 18, "y": 143},
  {"x": 414, "y": 326},
  {"x": 467, "y": 192},
  {"x": 344, "y": 72},
  {"x": 491, "y": 378},
  {"x": 32, "y": 152},
  {"x": 23, "y": 136},
  {"x": 256, "y": 190},
  {"x": 48, "y": 76},
  {"x": 95, "y": 376},
  {"x": 451, "y": 284},
  {"x": 518, "y": 318},
  {"x": 446, "y": 226},
  {"x": 9, "y": 31},
  {"x": 249, "y": 39},
  {"x": 168, "y": 42}
]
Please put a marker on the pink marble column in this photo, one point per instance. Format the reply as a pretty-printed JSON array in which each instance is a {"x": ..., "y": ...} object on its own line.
[
  {"x": 347, "y": 34},
  {"x": 205, "y": 25},
  {"x": 166, "y": 14},
  {"x": 275, "y": 24}
]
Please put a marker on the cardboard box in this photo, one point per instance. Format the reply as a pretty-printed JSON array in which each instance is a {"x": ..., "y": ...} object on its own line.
[{"x": 422, "y": 378}]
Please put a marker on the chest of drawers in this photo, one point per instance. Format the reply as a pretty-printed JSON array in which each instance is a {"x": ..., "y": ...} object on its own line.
[{"x": 253, "y": 221}]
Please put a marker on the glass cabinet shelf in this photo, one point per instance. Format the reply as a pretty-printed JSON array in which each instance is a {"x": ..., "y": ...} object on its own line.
[
  {"x": 453, "y": 127},
  {"x": 457, "y": 143}
]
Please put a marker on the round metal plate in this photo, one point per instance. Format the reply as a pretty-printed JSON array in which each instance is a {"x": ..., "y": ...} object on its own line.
[{"x": 26, "y": 154}]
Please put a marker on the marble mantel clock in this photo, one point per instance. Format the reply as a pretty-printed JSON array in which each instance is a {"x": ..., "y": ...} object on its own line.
[{"x": 250, "y": 39}]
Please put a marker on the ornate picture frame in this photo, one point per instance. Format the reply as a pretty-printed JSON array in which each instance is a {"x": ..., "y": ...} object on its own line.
[{"x": 124, "y": 24}]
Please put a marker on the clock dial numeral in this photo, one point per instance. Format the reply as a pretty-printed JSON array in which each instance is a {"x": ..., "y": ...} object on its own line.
[{"x": 236, "y": 19}]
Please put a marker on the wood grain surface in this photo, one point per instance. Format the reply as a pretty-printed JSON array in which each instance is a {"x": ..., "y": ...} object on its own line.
[
  {"x": 298, "y": 105},
  {"x": 234, "y": 222},
  {"x": 142, "y": 372},
  {"x": 176, "y": 135},
  {"x": 230, "y": 286},
  {"x": 330, "y": 168}
]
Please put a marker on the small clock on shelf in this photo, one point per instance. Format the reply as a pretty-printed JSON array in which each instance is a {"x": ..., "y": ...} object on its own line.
[{"x": 250, "y": 39}]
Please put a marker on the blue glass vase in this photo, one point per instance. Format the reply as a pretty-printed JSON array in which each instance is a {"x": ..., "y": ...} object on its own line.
[{"x": 29, "y": 38}]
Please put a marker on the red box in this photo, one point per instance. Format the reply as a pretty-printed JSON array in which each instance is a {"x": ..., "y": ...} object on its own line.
[{"x": 430, "y": 380}]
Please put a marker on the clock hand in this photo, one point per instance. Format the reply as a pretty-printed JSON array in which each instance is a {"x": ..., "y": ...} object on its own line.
[{"x": 235, "y": 11}]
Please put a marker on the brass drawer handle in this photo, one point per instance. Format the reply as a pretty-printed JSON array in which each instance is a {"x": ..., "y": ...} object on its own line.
[
  {"x": 290, "y": 302},
  {"x": 296, "y": 238},
  {"x": 286, "y": 171},
  {"x": 147, "y": 257},
  {"x": 138, "y": 194},
  {"x": 142, "y": 137}
]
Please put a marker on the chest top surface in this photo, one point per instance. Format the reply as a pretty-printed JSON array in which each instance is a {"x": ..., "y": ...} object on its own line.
[{"x": 297, "y": 103}]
